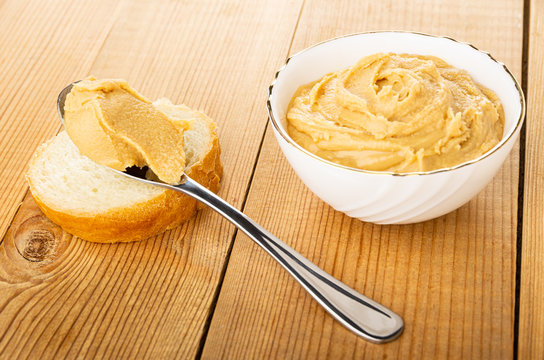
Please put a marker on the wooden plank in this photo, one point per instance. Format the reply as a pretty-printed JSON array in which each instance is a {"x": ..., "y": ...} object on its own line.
[
  {"x": 65, "y": 297},
  {"x": 452, "y": 279},
  {"x": 531, "y": 308},
  {"x": 45, "y": 46}
]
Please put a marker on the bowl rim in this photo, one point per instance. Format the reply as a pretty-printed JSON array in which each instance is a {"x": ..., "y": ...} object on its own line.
[{"x": 280, "y": 130}]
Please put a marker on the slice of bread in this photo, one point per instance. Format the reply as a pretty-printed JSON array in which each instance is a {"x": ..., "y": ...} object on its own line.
[{"x": 96, "y": 204}]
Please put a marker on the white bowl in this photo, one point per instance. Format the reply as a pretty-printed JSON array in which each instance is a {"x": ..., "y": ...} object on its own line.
[{"x": 386, "y": 197}]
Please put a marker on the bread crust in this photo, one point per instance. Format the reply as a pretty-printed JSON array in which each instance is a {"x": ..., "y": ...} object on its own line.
[{"x": 145, "y": 219}]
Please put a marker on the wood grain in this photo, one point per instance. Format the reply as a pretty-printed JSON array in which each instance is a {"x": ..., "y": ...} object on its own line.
[
  {"x": 531, "y": 313},
  {"x": 64, "y": 297},
  {"x": 44, "y": 47},
  {"x": 452, "y": 279}
]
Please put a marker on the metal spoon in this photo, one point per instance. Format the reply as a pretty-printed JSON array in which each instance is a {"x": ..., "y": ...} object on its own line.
[{"x": 358, "y": 313}]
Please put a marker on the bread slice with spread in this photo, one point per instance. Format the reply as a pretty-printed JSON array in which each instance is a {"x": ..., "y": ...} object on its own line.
[{"x": 99, "y": 205}]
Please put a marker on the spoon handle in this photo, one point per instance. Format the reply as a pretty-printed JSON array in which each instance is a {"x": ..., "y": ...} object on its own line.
[{"x": 359, "y": 314}]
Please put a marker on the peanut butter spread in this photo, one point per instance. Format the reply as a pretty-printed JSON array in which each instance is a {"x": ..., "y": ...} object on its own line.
[
  {"x": 115, "y": 126},
  {"x": 396, "y": 112}
]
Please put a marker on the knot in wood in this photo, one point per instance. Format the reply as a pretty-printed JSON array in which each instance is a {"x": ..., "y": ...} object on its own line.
[
  {"x": 38, "y": 244},
  {"x": 37, "y": 238}
]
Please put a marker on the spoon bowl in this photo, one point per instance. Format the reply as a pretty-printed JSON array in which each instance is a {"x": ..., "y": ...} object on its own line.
[{"x": 61, "y": 99}]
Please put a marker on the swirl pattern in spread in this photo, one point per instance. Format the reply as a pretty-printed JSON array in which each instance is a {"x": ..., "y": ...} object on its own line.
[{"x": 396, "y": 112}]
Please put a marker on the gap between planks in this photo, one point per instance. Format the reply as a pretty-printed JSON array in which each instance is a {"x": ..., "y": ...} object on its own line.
[
  {"x": 521, "y": 179},
  {"x": 217, "y": 291}
]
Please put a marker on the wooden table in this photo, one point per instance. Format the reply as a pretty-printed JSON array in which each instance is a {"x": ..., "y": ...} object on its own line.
[{"x": 468, "y": 285}]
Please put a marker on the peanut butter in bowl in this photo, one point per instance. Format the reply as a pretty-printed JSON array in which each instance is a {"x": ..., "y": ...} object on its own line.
[{"x": 396, "y": 112}]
